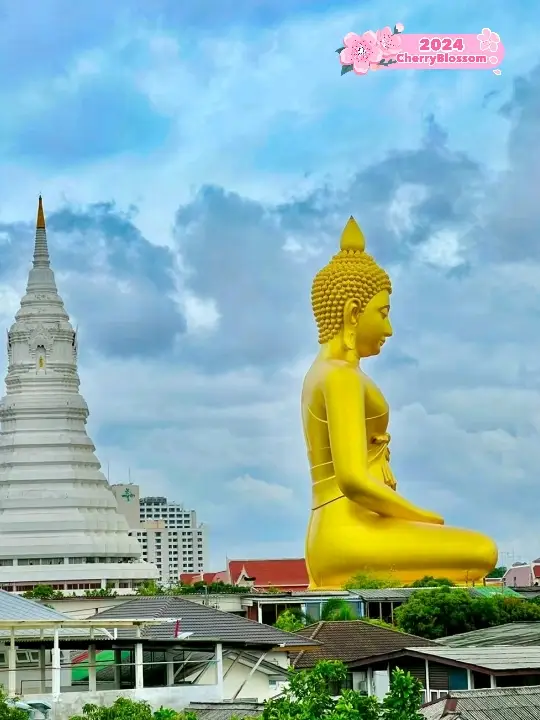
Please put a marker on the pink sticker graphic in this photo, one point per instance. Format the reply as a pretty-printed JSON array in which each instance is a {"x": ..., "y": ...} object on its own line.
[{"x": 391, "y": 49}]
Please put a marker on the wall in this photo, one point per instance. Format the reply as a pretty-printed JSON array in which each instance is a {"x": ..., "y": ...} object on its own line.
[
  {"x": 28, "y": 671},
  {"x": 70, "y": 703},
  {"x": 81, "y": 608},
  {"x": 258, "y": 686}
]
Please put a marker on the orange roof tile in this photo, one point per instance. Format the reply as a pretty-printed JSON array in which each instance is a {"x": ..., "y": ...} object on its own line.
[{"x": 286, "y": 574}]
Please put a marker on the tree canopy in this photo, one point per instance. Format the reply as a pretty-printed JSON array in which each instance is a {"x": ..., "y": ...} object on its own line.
[
  {"x": 444, "y": 611},
  {"x": 497, "y": 572},
  {"x": 315, "y": 694}
]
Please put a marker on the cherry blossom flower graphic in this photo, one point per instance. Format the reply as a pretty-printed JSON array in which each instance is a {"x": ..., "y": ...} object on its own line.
[
  {"x": 488, "y": 40},
  {"x": 389, "y": 42},
  {"x": 360, "y": 51}
]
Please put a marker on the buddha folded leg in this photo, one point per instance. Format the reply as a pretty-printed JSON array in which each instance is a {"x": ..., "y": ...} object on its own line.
[{"x": 344, "y": 540}]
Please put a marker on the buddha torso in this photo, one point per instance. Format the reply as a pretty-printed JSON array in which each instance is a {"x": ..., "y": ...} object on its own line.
[{"x": 325, "y": 487}]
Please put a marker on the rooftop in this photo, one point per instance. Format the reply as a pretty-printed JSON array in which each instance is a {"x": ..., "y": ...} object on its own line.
[
  {"x": 205, "y": 623},
  {"x": 16, "y": 607},
  {"x": 351, "y": 640},
  {"x": 496, "y": 658},
  {"x": 288, "y": 572},
  {"x": 404, "y": 593},
  {"x": 510, "y": 634},
  {"x": 520, "y": 703},
  {"x": 226, "y": 710}
]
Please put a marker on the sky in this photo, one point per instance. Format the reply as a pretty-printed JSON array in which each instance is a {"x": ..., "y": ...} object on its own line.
[{"x": 198, "y": 161}]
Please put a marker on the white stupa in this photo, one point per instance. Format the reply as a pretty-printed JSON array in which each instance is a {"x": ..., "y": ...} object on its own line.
[{"x": 59, "y": 522}]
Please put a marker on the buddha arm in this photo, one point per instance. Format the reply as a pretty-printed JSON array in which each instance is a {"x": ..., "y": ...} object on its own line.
[{"x": 344, "y": 399}]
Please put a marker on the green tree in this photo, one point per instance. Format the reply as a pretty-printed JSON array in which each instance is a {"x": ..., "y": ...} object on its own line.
[
  {"x": 334, "y": 609},
  {"x": 150, "y": 587},
  {"x": 316, "y": 693},
  {"x": 8, "y": 711},
  {"x": 404, "y": 699},
  {"x": 445, "y": 611},
  {"x": 497, "y": 572},
  {"x": 43, "y": 592},
  {"x": 102, "y": 592},
  {"x": 437, "y": 613},
  {"x": 366, "y": 581},
  {"x": 202, "y": 588},
  {"x": 337, "y": 609},
  {"x": 430, "y": 581},
  {"x": 290, "y": 621},
  {"x": 126, "y": 709}
]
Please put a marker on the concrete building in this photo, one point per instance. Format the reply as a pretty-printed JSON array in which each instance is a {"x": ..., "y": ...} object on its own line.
[
  {"x": 59, "y": 522},
  {"x": 169, "y": 534}
]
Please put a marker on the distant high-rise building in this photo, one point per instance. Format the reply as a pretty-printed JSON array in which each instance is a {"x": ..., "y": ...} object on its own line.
[
  {"x": 169, "y": 534},
  {"x": 59, "y": 522}
]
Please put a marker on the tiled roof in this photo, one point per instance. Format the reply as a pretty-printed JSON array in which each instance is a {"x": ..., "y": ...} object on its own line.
[
  {"x": 520, "y": 703},
  {"x": 206, "y": 623},
  {"x": 226, "y": 710},
  {"x": 286, "y": 573},
  {"x": 208, "y": 578},
  {"x": 353, "y": 640},
  {"x": 15, "y": 607},
  {"x": 496, "y": 657},
  {"x": 385, "y": 594},
  {"x": 510, "y": 634}
]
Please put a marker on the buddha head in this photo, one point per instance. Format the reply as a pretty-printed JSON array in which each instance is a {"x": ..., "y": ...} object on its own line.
[{"x": 351, "y": 297}]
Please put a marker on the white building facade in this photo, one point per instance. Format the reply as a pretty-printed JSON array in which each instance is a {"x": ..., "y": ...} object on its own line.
[
  {"x": 59, "y": 521},
  {"x": 169, "y": 534}
]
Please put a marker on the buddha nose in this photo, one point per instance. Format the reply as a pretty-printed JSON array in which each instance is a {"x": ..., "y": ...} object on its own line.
[{"x": 388, "y": 332}]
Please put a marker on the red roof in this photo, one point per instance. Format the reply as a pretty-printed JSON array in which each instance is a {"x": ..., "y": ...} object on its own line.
[
  {"x": 289, "y": 574},
  {"x": 191, "y": 578}
]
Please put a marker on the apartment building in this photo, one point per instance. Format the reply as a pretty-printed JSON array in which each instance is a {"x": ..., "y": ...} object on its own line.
[{"x": 169, "y": 534}]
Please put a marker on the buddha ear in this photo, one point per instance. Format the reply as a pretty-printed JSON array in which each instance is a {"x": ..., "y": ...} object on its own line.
[{"x": 351, "y": 313}]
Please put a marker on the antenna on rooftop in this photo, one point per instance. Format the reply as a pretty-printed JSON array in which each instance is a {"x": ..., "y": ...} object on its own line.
[
  {"x": 129, "y": 475},
  {"x": 108, "y": 472}
]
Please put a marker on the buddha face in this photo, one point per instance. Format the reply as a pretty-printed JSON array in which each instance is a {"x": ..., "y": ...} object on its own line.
[{"x": 372, "y": 327}]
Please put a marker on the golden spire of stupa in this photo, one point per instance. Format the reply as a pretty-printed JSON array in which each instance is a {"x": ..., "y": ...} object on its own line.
[{"x": 40, "y": 224}]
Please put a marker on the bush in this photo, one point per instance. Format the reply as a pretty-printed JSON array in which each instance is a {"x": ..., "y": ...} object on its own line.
[{"x": 126, "y": 709}]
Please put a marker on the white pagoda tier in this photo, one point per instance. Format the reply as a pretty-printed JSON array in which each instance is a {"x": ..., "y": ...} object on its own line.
[{"x": 59, "y": 522}]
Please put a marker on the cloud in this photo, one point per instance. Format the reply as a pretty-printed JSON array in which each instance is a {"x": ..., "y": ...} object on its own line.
[{"x": 251, "y": 491}]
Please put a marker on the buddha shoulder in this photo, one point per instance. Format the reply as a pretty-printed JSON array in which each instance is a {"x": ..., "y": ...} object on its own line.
[{"x": 330, "y": 373}]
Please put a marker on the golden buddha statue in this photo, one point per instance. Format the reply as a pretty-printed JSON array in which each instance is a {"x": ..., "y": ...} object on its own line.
[{"x": 359, "y": 522}]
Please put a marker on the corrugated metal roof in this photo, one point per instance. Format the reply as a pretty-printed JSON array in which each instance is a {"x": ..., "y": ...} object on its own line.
[
  {"x": 385, "y": 594},
  {"x": 522, "y": 703},
  {"x": 491, "y": 658},
  {"x": 204, "y": 622},
  {"x": 510, "y": 634},
  {"x": 15, "y": 607},
  {"x": 491, "y": 591},
  {"x": 404, "y": 593},
  {"x": 226, "y": 711}
]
